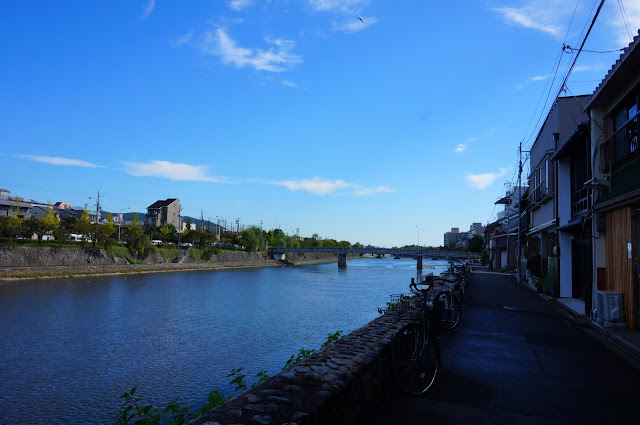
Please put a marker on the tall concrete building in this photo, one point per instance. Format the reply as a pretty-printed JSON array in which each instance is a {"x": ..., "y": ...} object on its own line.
[{"x": 163, "y": 212}]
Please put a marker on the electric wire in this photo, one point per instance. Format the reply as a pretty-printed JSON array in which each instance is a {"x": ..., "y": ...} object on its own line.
[{"x": 625, "y": 19}]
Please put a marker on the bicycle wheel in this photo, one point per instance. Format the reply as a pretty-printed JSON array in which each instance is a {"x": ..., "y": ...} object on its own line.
[
  {"x": 447, "y": 311},
  {"x": 415, "y": 359}
]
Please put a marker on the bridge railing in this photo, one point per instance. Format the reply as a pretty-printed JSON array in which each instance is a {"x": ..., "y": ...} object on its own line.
[{"x": 380, "y": 251}]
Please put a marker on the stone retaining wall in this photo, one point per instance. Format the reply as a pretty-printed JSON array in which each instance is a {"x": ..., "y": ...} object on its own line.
[
  {"x": 338, "y": 385},
  {"x": 49, "y": 257}
]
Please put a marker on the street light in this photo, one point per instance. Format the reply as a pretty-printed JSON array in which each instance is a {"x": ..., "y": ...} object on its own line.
[
  {"x": 418, "y": 238},
  {"x": 121, "y": 219}
]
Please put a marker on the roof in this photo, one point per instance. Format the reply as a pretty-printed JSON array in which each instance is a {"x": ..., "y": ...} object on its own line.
[
  {"x": 160, "y": 204},
  {"x": 629, "y": 61},
  {"x": 581, "y": 130}
]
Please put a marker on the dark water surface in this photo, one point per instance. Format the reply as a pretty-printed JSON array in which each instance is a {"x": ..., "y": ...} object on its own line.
[{"x": 69, "y": 349}]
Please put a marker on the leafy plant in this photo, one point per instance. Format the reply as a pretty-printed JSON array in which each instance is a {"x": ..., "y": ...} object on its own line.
[{"x": 134, "y": 412}]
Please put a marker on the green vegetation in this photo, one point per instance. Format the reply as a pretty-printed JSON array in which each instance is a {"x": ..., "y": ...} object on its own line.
[
  {"x": 169, "y": 254},
  {"x": 133, "y": 411},
  {"x": 119, "y": 251}
]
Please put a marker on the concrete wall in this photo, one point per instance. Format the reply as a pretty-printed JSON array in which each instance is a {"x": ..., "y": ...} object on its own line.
[
  {"x": 48, "y": 257},
  {"x": 338, "y": 385}
]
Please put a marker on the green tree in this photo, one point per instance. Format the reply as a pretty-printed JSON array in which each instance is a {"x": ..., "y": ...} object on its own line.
[
  {"x": 253, "y": 238},
  {"x": 165, "y": 230},
  {"x": 137, "y": 240},
  {"x": 104, "y": 232},
  {"x": 476, "y": 243},
  {"x": 33, "y": 226},
  {"x": 83, "y": 225},
  {"x": 50, "y": 219}
]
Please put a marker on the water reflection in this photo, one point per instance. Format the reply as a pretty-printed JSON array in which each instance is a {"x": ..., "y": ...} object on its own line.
[{"x": 70, "y": 348}]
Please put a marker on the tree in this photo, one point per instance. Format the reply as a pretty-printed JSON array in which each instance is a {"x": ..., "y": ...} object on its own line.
[
  {"x": 50, "y": 219},
  {"x": 34, "y": 226},
  {"x": 317, "y": 243},
  {"x": 136, "y": 238},
  {"x": 165, "y": 230},
  {"x": 17, "y": 213},
  {"x": 253, "y": 238},
  {"x": 476, "y": 243},
  {"x": 104, "y": 232},
  {"x": 83, "y": 225}
]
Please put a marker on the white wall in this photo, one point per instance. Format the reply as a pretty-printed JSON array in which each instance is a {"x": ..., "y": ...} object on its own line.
[{"x": 566, "y": 271}]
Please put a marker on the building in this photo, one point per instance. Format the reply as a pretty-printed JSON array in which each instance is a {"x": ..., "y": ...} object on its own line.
[
  {"x": 613, "y": 110},
  {"x": 475, "y": 229},
  {"x": 9, "y": 205},
  {"x": 501, "y": 236},
  {"x": 543, "y": 249},
  {"x": 452, "y": 238},
  {"x": 572, "y": 161},
  {"x": 163, "y": 212}
]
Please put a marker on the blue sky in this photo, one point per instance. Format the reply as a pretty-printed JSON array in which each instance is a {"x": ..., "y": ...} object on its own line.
[{"x": 364, "y": 120}]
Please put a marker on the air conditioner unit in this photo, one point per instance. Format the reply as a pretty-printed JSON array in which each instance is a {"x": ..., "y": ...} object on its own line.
[
  {"x": 612, "y": 313},
  {"x": 600, "y": 306}
]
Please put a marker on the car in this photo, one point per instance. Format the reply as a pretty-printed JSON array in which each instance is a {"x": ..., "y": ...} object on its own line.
[
  {"x": 185, "y": 244},
  {"x": 156, "y": 242}
]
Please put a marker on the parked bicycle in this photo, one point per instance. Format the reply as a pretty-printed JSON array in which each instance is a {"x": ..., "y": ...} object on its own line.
[{"x": 415, "y": 355}]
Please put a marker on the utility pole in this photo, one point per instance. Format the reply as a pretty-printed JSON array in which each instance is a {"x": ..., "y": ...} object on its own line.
[{"x": 519, "y": 263}]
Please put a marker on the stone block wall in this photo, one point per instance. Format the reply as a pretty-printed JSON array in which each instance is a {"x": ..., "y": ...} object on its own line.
[{"x": 336, "y": 386}]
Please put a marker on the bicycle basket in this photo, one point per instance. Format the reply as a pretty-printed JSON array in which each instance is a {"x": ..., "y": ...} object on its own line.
[{"x": 407, "y": 307}]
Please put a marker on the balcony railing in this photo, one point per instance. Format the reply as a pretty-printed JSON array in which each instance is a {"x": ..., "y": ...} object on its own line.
[
  {"x": 580, "y": 201},
  {"x": 622, "y": 147}
]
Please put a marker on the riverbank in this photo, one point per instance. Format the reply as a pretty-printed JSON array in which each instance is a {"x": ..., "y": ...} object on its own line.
[{"x": 25, "y": 263}]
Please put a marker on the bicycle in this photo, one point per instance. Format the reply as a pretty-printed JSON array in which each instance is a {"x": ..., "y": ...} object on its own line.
[{"x": 415, "y": 353}]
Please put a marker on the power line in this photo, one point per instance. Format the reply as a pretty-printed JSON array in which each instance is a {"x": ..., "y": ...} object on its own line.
[
  {"x": 568, "y": 49},
  {"x": 625, "y": 19}
]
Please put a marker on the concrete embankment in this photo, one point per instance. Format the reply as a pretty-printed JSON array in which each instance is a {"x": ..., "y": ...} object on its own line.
[{"x": 34, "y": 263}]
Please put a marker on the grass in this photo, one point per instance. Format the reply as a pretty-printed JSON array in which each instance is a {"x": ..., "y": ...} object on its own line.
[
  {"x": 169, "y": 254},
  {"x": 119, "y": 251}
]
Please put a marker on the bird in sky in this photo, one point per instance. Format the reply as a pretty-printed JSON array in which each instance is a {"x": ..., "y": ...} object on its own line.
[{"x": 360, "y": 19}]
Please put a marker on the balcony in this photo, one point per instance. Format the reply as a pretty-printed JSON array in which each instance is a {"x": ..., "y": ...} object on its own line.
[
  {"x": 541, "y": 193},
  {"x": 580, "y": 202},
  {"x": 622, "y": 147}
]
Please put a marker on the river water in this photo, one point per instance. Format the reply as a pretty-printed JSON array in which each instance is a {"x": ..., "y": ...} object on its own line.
[{"x": 70, "y": 348}]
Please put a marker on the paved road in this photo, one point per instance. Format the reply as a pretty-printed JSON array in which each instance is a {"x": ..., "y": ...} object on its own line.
[{"x": 519, "y": 359}]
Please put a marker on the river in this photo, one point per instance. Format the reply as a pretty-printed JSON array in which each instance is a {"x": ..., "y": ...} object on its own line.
[{"x": 70, "y": 348}]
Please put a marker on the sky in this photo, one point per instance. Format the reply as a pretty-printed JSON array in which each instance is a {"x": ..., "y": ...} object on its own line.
[{"x": 372, "y": 121}]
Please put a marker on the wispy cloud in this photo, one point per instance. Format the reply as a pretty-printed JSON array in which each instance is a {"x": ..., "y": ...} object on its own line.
[
  {"x": 314, "y": 185},
  {"x": 288, "y": 83},
  {"x": 276, "y": 59},
  {"x": 56, "y": 160},
  {"x": 354, "y": 25},
  {"x": 321, "y": 187},
  {"x": 483, "y": 181},
  {"x": 182, "y": 40},
  {"x": 171, "y": 171},
  {"x": 148, "y": 8},
  {"x": 463, "y": 146},
  {"x": 372, "y": 190},
  {"x": 238, "y": 5},
  {"x": 631, "y": 11},
  {"x": 350, "y": 13},
  {"x": 548, "y": 16},
  {"x": 532, "y": 80},
  {"x": 346, "y": 6}
]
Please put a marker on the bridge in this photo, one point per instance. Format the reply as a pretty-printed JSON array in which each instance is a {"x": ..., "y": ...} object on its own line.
[{"x": 403, "y": 253}]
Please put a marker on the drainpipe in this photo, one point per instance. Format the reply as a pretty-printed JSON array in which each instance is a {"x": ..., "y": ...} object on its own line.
[{"x": 556, "y": 138}]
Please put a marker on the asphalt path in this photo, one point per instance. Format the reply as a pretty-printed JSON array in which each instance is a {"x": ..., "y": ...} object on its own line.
[{"x": 517, "y": 358}]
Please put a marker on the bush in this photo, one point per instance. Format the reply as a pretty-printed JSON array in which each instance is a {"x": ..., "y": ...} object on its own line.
[{"x": 119, "y": 252}]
